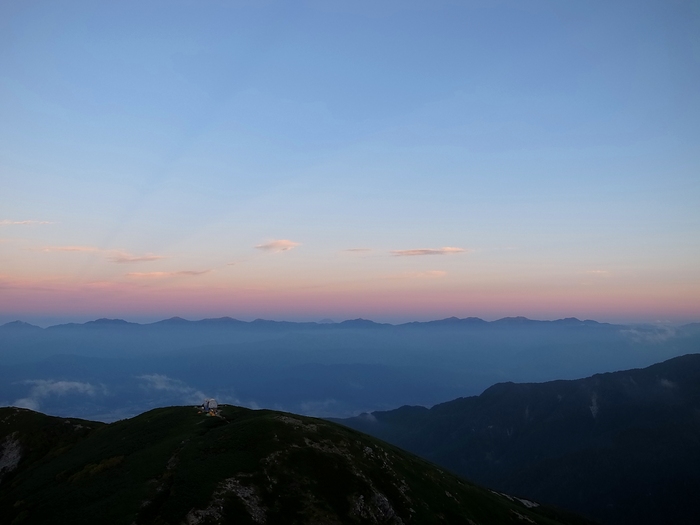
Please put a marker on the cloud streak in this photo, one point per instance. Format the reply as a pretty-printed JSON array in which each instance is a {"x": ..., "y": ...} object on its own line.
[
  {"x": 279, "y": 245},
  {"x": 126, "y": 258},
  {"x": 115, "y": 256},
  {"x": 159, "y": 275},
  {"x": 447, "y": 250},
  {"x": 7, "y": 222},
  {"x": 83, "y": 249},
  {"x": 430, "y": 274}
]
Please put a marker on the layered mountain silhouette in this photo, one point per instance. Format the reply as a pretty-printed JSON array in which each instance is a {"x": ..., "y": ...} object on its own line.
[
  {"x": 175, "y": 465},
  {"x": 318, "y": 369},
  {"x": 621, "y": 448}
]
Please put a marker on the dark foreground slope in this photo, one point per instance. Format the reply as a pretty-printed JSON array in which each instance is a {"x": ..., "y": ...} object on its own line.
[
  {"x": 622, "y": 448},
  {"x": 173, "y": 465}
]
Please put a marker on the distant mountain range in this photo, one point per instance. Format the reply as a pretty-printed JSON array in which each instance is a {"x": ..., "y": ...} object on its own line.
[
  {"x": 174, "y": 465},
  {"x": 621, "y": 448},
  {"x": 109, "y": 369},
  {"x": 324, "y": 323}
]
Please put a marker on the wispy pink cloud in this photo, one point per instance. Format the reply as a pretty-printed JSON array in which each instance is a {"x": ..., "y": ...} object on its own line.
[
  {"x": 85, "y": 249},
  {"x": 279, "y": 245},
  {"x": 123, "y": 258},
  {"x": 430, "y": 274},
  {"x": 599, "y": 273},
  {"x": 358, "y": 250},
  {"x": 447, "y": 250},
  {"x": 159, "y": 275},
  {"x": 7, "y": 222},
  {"x": 116, "y": 256}
]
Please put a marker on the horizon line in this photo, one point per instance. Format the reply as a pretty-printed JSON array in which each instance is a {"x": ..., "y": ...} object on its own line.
[{"x": 330, "y": 322}]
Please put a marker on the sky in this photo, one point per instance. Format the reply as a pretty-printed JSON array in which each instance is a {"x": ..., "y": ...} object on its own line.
[{"x": 392, "y": 160}]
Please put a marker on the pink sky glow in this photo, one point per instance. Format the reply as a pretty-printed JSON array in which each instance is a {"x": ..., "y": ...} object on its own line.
[{"x": 386, "y": 302}]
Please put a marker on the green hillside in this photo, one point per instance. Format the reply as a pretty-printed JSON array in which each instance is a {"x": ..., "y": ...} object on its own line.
[{"x": 174, "y": 465}]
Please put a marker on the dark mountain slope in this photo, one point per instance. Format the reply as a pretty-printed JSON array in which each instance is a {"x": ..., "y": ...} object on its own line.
[
  {"x": 173, "y": 465},
  {"x": 27, "y": 437},
  {"x": 621, "y": 447}
]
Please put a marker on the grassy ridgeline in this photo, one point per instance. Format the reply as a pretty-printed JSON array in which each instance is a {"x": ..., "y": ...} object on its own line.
[{"x": 174, "y": 465}]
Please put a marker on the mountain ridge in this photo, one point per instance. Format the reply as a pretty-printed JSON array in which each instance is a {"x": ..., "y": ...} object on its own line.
[
  {"x": 358, "y": 322},
  {"x": 618, "y": 447},
  {"x": 175, "y": 465}
]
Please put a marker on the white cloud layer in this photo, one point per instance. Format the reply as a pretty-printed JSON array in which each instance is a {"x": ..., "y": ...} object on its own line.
[
  {"x": 164, "y": 383},
  {"x": 44, "y": 388}
]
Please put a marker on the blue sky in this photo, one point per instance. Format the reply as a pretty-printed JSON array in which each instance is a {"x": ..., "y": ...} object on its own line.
[{"x": 148, "y": 148}]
